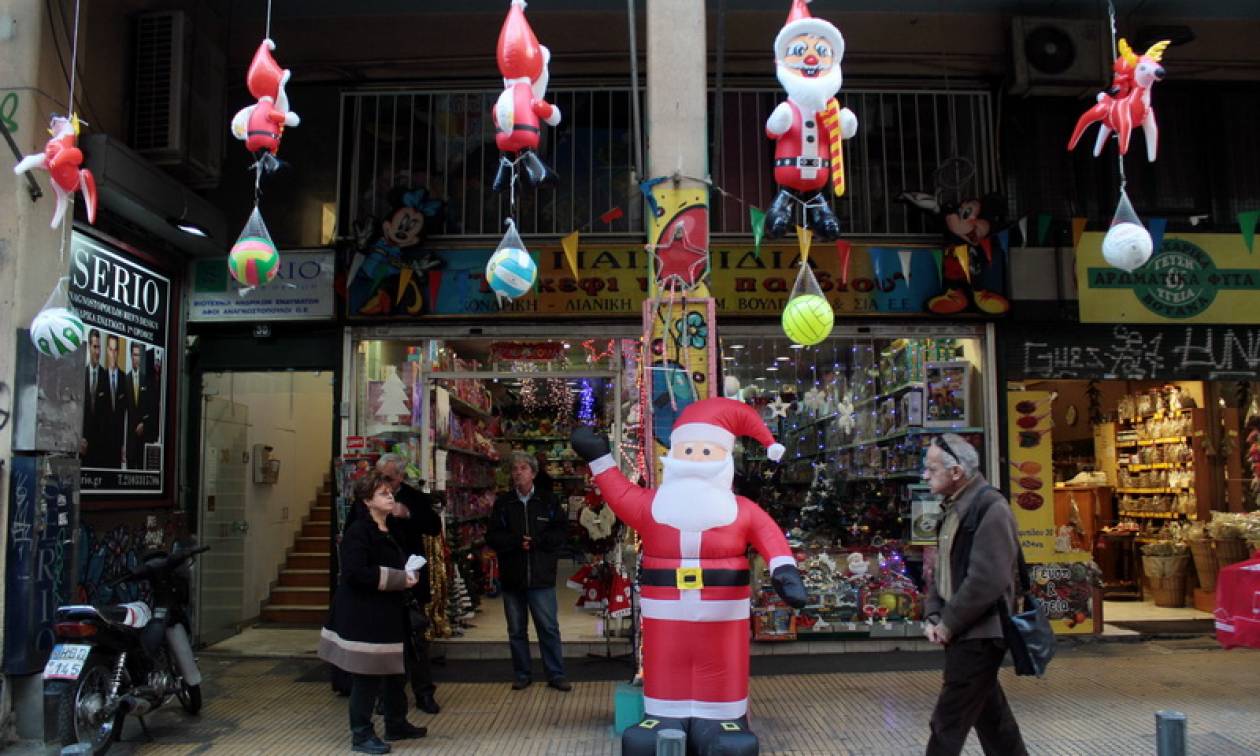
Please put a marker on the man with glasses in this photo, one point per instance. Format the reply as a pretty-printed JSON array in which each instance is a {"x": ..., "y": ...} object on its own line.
[
  {"x": 975, "y": 569},
  {"x": 412, "y": 518}
]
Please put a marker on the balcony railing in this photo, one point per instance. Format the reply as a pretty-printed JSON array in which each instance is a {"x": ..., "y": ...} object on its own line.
[{"x": 443, "y": 141}]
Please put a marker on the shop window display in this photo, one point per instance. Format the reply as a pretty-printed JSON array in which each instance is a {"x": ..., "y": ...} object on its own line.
[
  {"x": 856, "y": 415},
  {"x": 456, "y": 409}
]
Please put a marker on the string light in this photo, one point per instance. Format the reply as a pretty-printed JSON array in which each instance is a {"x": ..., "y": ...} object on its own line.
[{"x": 586, "y": 403}]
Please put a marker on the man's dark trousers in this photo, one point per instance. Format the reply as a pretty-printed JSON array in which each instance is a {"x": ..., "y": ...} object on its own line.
[
  {"x": 972, "y": 697},
  {"x": 418, "y": 669}
]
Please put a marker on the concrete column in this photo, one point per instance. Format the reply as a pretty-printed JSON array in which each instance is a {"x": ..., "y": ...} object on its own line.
[
  {"x": 676, "y": 115},
  {"x": 30, "y": 262}
]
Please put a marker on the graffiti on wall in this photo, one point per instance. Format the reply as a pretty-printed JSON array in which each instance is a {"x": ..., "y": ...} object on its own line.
[{"x": 109, "y": 551}]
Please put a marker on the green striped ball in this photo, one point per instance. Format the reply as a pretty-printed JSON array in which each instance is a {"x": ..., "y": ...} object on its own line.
[{"x": 57, "y": 331}]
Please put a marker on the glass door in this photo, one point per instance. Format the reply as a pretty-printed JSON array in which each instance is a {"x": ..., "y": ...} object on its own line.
[{"x": 225, "y": 467}]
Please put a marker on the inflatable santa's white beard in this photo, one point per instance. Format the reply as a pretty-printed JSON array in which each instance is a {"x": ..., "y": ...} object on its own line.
[
  {"x": 809, "y": 94},
  {"x": 695, "y": 495}
]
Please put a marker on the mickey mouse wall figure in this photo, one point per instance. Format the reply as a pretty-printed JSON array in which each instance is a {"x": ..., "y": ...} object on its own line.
[{"x": 968, "y": 228}]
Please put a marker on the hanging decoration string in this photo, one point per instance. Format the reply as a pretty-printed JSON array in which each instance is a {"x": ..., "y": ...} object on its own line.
[
  {"x": 268, "y": 19},
  {"x": 1111, "y": 13},
  {"x": 74, "y": 58}
]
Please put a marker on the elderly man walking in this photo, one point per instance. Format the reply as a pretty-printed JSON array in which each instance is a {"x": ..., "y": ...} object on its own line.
[{"x": 976, "y": 561}]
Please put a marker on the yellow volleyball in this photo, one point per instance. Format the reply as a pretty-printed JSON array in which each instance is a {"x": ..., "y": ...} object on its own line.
[{"x": 808, "y": 319}]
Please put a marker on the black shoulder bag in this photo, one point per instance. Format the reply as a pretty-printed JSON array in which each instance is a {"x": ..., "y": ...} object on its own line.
[{"x": 1028, "y": 633}]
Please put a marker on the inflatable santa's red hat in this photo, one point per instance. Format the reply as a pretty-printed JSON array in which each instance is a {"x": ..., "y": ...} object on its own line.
[
  {"x": 801, "y": 21},
  {"x": 719, "y": 421},
  {"x": 519, "y": 54},
  {"x": 265, "y": 76}
]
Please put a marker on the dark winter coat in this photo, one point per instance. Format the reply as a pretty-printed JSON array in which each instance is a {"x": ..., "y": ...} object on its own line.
[
  {"x": 409, "y": 532},
  {"x": 368, "y": 622},
  {"x": 539, "y": 518}
]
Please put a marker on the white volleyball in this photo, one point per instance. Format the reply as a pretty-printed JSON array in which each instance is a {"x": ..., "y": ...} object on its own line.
[
  {"x": 1127, "y": 246},
  {"x": 57, "y": 331}
]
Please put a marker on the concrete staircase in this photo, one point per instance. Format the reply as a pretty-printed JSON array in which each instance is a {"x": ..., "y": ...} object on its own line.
[{"x": 300, "y": 595}]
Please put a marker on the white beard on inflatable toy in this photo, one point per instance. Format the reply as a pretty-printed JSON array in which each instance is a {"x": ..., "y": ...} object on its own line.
[
  {"x": 686, "y": 483},
  {"x": 810, "y": 94}
]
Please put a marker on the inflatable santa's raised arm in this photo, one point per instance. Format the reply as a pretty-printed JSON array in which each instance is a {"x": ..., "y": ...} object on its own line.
[{"x": 694, "y": 579}]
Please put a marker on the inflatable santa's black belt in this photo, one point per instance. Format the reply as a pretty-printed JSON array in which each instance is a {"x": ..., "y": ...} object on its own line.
[
  {"x": 693, "y": 577},
  {"x": 803, "y": 162}
]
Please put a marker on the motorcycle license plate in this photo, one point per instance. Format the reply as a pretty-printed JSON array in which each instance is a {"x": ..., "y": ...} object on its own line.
[{"x": 66, "y": 661}]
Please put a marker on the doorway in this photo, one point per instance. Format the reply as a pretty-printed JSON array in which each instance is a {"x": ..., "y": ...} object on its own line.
[{"x": 265, "y": 453}]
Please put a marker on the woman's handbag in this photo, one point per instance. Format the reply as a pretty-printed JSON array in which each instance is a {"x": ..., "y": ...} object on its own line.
[{"x": 1028, "y": 633}]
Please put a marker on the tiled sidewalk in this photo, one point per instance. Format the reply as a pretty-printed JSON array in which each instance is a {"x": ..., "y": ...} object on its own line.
[{"x": 1098, "y": 699}]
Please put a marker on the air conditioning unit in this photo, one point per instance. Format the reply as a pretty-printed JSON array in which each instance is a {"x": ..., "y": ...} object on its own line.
[
  {"x": 177, "y": 115},
  {"x": 1058, "y": 56}
]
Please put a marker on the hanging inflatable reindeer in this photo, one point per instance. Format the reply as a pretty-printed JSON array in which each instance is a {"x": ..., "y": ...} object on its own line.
[
  {"x": 1127, "y": 103},
  {"x": 61, "y": 158}
]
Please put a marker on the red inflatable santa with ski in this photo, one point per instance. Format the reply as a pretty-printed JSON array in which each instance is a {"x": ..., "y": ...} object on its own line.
[
  {"x": 525, "y": 66},
  {"x": 808, "y": 127},
  {"x": 694, "y": 578}
]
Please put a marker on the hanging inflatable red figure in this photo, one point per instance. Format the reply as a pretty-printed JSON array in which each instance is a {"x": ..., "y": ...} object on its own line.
[
  {"x": 261, "y": 125},
  {"x": 61, "y": 158},
  {"x": 517, "y": 114},
  {"x": 808, "y": 127},
  {"x": 1126, "y": 105}
]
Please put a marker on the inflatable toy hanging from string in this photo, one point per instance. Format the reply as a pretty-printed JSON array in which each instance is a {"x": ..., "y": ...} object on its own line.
[
  {"x": 808, "y": 318},
  {"x": 1126, "y": 104},
  {"x": 261, "y": 125},
  {"x": 254, "y": 260},
  {"x": 511, "y": 270},
  {"x": 522, "y": 106},
  {"x": 62, "y": 159},
  {"x": 57, "y": 330}
]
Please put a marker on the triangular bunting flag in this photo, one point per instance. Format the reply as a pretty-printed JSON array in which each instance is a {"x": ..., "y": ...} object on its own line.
[
  {"x": 906, "y": 256},
  {"x": 1247, "y": 223},
  {"x": 1156, "y": 228},
  {"x": 570, "y": 245},
  {"x": 939, "y": 258},
  {"x": 612, "y": 215},
  {"x": 845, "y": 250},
  {"x": 1078, "y": 228},
  {"x": 964, "y": 257},
  {"x": 757, "y": 219},
  {"x": 1043, "y": 225},
  {"x": 986, "y": 246},
  {"x": 806, "y": 238}
]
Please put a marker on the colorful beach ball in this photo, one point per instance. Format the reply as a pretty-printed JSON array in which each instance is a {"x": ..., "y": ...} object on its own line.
[
  {"x": 253, "y": 261},
  {"x": 511, "y": 272},
  {"x": 57, "y": 331},
  {"x": 808, "y": 319}
]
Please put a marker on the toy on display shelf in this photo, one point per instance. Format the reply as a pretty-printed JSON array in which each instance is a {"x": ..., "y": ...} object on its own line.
[
  {"x": 61, "y": 159},
  {"x": 253, "y": 259},
  {"x": 525, "y": 66},
  {"x": 1127, "y": 102},
  {"x": 809, "y": 126},
  {"x": 511, "y": 270},
  {"x": 261, "y": 125}
]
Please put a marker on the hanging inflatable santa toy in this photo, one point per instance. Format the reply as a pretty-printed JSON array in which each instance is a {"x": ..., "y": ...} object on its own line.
[
  {"x": 524, "y": 66},
  {"x": 261, "y": 125},
  {"x": 808, "y": 127},
  {"x": 694, "y": 579}
]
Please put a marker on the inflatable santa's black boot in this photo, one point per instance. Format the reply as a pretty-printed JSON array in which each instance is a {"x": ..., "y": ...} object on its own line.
[
  {"x": 640, "y": 740},
  {"x": 779, "y": 216},
  {"x": 721, "y": 737}
]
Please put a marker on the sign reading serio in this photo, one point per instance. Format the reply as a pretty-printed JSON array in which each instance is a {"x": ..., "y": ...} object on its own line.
[
  {"x": 1203, "y": 278},
  {"x": 125, "y": 306}
]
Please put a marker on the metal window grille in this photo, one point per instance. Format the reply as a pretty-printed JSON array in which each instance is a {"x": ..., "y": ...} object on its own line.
[{"x": 932, "y": 141}]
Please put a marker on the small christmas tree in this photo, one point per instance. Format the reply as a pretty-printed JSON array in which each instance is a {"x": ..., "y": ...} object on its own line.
[
  {"x": 459, "y": 605},
  {"x": 393, "y": 403}
]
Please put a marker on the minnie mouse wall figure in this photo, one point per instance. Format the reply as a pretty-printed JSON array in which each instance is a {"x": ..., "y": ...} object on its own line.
[
  {"x": 524, "y": 65},
  {"x": 261, "y": 126},
  {"x": 395, "y": 254},
  {"x": 61, "y": 158},
  {"x": 809, "y": 125}
]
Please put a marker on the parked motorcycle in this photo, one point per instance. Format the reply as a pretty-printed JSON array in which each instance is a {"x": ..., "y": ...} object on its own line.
[{"x": 111, "y": 661}]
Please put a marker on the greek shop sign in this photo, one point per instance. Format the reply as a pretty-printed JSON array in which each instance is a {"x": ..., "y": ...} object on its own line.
[
  {"x": 612, "y": 280},
  {"x": 1204, "y": 278},
  {"x": 302, "y": 290}
]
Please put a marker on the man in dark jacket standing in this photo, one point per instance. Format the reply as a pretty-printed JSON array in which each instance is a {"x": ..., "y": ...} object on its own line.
[
  {"x": 413, "y": 517},
  {"x": 974, "y": 571},
  {"x": 527, "y": 530}
]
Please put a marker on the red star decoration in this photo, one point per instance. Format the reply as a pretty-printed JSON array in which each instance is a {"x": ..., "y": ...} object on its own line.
[{"x": 682, "y": 250}]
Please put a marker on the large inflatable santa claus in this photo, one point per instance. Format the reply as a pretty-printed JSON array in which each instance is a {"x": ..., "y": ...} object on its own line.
[
  {"x": 694, "y": 578},
  {"x": 808, "y": 127},
  {"x": 524, "y": 65}
]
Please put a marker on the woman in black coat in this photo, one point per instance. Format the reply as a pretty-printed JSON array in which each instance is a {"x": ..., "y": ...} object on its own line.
[{"x": 368, "y": 623}]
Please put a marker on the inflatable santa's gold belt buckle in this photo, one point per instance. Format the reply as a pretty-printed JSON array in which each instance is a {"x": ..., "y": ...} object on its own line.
[{"x": 689, "y": 578}]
